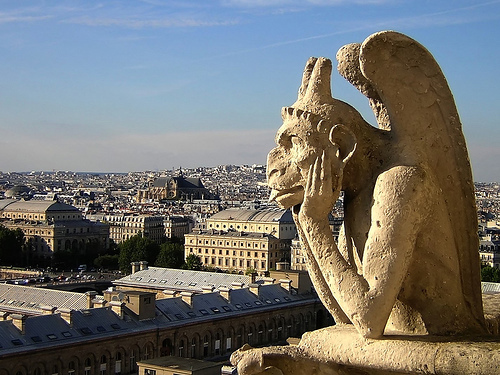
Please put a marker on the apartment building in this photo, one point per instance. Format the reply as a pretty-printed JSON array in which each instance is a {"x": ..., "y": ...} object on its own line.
[
  {"x": 242, "y": 239},
  {"x": 49, "y": 225}
]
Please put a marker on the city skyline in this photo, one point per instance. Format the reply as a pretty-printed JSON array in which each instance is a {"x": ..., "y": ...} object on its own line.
[{"x": 152, "y": 85}]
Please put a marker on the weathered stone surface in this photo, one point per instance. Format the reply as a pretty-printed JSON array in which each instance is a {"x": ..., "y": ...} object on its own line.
[{"x": 407, "y": 257}]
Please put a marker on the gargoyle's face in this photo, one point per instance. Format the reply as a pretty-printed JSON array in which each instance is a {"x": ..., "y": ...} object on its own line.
[{"x": 288, "y": 163}]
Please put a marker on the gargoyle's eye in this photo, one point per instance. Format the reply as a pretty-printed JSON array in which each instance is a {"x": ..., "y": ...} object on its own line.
[
  {"x": 296, "y": 141},
  {"x": 284, "y": 140}
]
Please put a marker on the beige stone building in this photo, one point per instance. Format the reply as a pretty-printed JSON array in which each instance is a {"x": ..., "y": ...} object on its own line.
[
  {"x": 122, "y": 227},
  {"x": 52, "y": 226},
  {"x": 110, "y": 336},
  {"x": 273, "y": 221},
  {"x": 243, "y": 239}
]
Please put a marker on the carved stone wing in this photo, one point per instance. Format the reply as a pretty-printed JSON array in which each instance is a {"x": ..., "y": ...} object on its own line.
[{"x": 424, "y": 122}]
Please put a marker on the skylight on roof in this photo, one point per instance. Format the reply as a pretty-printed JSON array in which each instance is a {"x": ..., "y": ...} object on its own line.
[
  {"x": 86, "y": 331},
  {"x": 51, "y": 336},
  {"x": 17, "y": 342},
  {"x": 204, "y": 312},
  {"x": 101, "y": 329},
  {"x": 36, "y": 339},
  {"x": 66, "y": 334},
  {"x": 115, "y": 326}
]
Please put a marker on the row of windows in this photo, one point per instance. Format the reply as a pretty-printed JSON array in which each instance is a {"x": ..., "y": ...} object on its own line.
[
  {"x": 241, "y": 253},
  {"x": 240, "y": 244},
  {"x": 235, "y": 263}
]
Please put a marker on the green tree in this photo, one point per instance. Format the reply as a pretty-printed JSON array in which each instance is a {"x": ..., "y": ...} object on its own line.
[
  {"x": 250, "y": 270},
  {"x": 490, "y": 274},
  {"x": 193, "y": 262},
  {"x": 171, "y": 255},
  {"x": 108, "y": 262},
  {"x": 12, "y": 249},
  {"x": 135, "y": 249}
]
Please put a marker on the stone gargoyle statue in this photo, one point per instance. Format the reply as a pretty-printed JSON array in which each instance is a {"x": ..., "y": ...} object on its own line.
[{"x": 407, "y": 257}]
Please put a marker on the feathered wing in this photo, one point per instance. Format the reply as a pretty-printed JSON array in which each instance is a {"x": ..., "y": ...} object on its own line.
[{"x": 424, "y": 122}]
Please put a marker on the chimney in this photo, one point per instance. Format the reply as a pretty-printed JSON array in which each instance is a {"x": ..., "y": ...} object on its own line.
[
  {"x": 286, "y": 284},
  {"x": 143, "y": 265},
  {"x": 117, "y": 308},
  {"x": 282, "y": 266},
  {"x": 67, "y": 315},
  {"x": 48, "y": 310},
  {"x": 208, "y": 289},
  {"x": 188, "y": 298},
  {"x": 169, "y": 293},
  {"x": 98, "y": 302},
  {"x": 225, "y": 293},
  {"x": 254, "y": 288},
  {"x": 135, "y": 266},
  {"x": 19, "y": 321},
  {"x": 237, "y": 285},
  {"x": 268, "y": 280},
  {"x": 90, "y": 297},
  {"x": 253, "y": 277}
]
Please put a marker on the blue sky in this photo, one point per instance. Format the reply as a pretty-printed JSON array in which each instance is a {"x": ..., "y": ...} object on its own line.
[{"x": 150, "y": 85}]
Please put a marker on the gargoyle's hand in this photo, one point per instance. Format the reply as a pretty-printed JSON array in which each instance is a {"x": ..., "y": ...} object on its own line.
[{"x": 323, "y": 185}]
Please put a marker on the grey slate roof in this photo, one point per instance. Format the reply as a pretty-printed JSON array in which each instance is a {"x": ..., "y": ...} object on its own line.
[
  {"x": 91, "y": 324},
  {"x": 256, "y": 215},
  {"x": 29, "y": 300},
  {"x": 182, "y": 182},
  {"x": 38, "y": 206},
  {"x": 180, "y": 280}
]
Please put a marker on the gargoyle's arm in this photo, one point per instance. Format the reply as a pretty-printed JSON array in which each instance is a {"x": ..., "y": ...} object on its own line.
[{"x": 398, "y": 210}]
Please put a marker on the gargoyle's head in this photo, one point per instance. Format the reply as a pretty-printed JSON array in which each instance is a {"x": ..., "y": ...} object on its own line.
[{"x": 310, "y": 126}]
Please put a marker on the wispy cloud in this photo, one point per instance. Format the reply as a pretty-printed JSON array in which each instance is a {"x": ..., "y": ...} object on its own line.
[
  {"x": 138, "y": 23},
  {"x": 301, "y": 3},
  {"x": 23, "y": 15}
]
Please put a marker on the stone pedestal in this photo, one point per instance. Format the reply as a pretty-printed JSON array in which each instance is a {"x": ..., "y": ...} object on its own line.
[{"x": 341, "y": 350}]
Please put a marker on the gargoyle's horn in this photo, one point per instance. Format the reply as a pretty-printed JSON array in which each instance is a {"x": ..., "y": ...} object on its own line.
[{"x": 316, "y": 81}]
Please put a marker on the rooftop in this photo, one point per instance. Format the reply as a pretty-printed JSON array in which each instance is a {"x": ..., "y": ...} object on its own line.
[
  {"x": 180, "y": 280},
  {"x": 30, "y": 300},
  {"x": 256, "y": 215}
]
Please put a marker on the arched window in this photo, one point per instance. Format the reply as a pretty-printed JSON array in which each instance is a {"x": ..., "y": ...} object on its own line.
[
  {"x": 181, "y": 348},
  {"x": 118, "y": 363},
  {"x": 205, "y": 346},
  {"x": 71, "y": 368},
  {"x": 103, "y": 366},
  {"x": 88, "y": 366}
]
